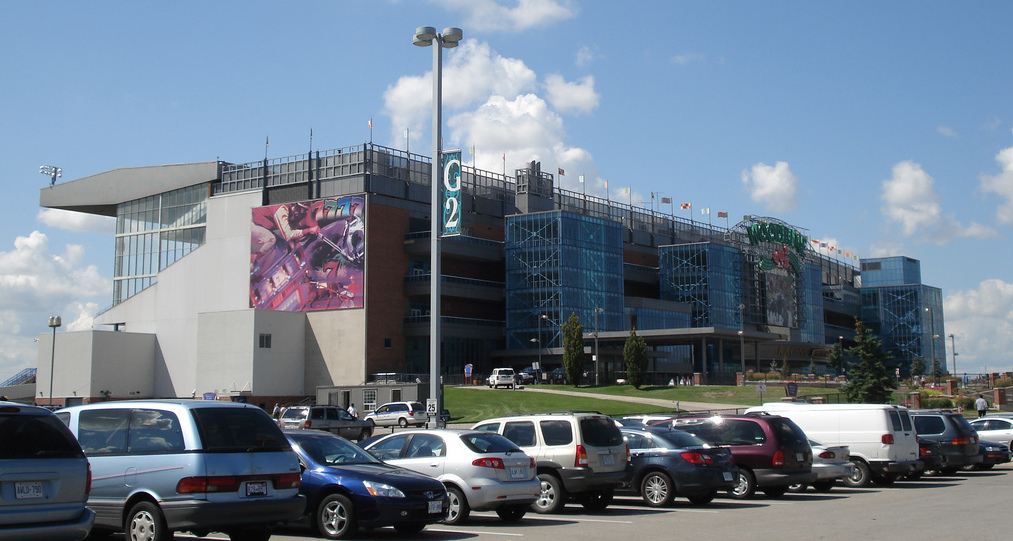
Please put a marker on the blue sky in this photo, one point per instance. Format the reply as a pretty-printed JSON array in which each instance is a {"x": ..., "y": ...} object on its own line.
[{"x": 884, "y": 128}]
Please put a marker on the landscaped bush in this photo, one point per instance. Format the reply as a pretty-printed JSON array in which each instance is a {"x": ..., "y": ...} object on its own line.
[
  {"x": 1004, "y": 382},
  {"x": 938, "y": 403},
  {"x": 965, "y": 402}
]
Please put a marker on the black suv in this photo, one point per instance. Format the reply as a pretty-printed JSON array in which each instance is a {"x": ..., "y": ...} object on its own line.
[
  {"x": 957, "y": 438},
  {"x": 771, "y": 451}
]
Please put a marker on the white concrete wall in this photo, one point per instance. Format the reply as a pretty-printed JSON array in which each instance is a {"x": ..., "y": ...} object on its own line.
[
  {"x": 89, "y": 362},
  {"x": 340, "y": 337}
]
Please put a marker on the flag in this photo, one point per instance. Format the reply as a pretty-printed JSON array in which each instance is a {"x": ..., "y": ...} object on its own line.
[
  {"x": 832, "y": 248},
  {"x": 666, "y": 200},
  {"x": 705, "y": 210},
  {"x": 847, "y": 254},
  {"x": 823, "y": 245},
  {"x": 580, "y": 178},
  {"x": 722, "y": 214},
  {"x": 685, "y": 206},
  {"x": 625, "y": 190},
  {"x": 472, "y": 150},
  {"x": 370, "y": 123},
  {"x": 606, "y": 184},
  {"x": 815, "y": 241}
]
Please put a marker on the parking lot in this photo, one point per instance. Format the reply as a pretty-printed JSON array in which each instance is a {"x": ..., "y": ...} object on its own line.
[{"x": 934, "y": 507}]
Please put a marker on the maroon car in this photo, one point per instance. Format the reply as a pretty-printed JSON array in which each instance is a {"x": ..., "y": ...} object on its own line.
[{"x": 771, "y": 451}]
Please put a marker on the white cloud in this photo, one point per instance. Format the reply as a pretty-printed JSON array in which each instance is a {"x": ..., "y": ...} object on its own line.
[
  {"x": 526, "y": 14},
  {"x": 1002, "y": 185},
  {"x": 773, "y": 187},
  {"x": 577, "y": 97},
  {"x": 585, "y": 56},
  {"x": 981, "y": 321},
  {"x": 687, "y": 58},
  {"x": 909, "y": 198},
  {"x": 946, "y": 131},
  {"x": 36, "y": 284},
  {"x": 77, "y": 221}
]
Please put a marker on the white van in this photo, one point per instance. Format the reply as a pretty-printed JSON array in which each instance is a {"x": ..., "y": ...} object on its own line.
[{"x": 881, "y": 437}]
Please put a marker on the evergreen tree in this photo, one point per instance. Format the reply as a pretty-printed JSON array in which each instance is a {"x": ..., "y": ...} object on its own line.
[
  {"x": 635, "y": 355},
  {"x": 573, "y": 349},
  {"x": 869, "y": 379},
  {"x": 835, "y": 359},
  {"x": 918, "y": 366},
  {"x": 785, "y": 368}
]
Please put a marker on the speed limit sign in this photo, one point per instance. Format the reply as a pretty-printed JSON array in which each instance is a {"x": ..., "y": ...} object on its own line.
[{"x": 431, "y": 405}]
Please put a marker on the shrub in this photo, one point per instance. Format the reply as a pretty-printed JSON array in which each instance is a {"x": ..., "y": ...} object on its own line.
[
  {"x": 938, "y": 403},
  {"x": 965, "y": 402},
  {"x": 1004, "y": 382}
]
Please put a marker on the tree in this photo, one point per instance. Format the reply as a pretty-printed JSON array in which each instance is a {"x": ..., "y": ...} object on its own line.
[
  {"x": 835, "y": 359},
  {"x": 573, "y": 349},
  {"x": 635, "y": 355},
  {"x": 918, "y": 366},
  {"x": 869, "y": 379},
  {"x": 785, "y": 368}
]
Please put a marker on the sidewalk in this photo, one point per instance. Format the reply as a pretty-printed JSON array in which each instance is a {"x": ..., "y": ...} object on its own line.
[{"x": 663, "y": 405}]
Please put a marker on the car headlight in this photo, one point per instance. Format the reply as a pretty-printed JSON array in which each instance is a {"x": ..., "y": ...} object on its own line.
[
  {"x": 381, "y": 489},
  {"x": 992, "y": 448}
]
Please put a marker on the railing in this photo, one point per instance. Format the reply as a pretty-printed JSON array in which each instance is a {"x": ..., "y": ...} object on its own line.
[{"x": 20, "y": 377}]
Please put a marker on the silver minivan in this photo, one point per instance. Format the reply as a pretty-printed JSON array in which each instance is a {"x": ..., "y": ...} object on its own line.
[{"x": 160, "y": 466}]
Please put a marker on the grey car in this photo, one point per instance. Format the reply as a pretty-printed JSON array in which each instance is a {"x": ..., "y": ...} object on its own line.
[
  {"x": 957, "y": 438},
  {"x": 46, "y": 478},
  {"x": 398, "y": 413},
  {"x": 330, "y": 418}
]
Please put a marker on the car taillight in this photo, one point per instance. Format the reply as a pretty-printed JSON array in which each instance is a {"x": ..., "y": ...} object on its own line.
[
  {"x": 697, "y": 458},
  {"x": 307, "y": 424},
  {"x": 629, "y": 456},
  {"x": 887, "y": 439},
  {"x": 488, "y": 462},
  {"x": 925, "y": 450},
  {"x": 87, "y": 484},
  {"x": 827, "y": 455},
  {"x": 964, "y": 441},
  {"x": 778, "y": 458},
  {"x": 580, "y": 461},
  {"x": 286, "y": 480}
]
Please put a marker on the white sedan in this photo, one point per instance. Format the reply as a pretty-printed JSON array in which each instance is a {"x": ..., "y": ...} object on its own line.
[
  {"x": 481, "y": 470},
  {"x": 994, "y": 428},
  {"x": 830, "y": 463}
]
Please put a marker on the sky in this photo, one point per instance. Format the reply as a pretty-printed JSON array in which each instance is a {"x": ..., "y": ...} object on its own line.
[{"x": 881, "y": 128}]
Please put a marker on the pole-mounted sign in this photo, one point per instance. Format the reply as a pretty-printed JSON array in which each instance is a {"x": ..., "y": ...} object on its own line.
[{"x": 451, "y": 193}]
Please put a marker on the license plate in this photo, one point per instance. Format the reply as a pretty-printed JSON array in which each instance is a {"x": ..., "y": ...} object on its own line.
[
  {"x": 728, "y": 476},
  {"x": 436, "y": 507},
  {"x": 256, "y": 488},
  {"x": 28, "y": 490},
  {"x": 608, "y": 459},
  {"x": 516, "y": 472},
  {"x": 799, "y": 457}
]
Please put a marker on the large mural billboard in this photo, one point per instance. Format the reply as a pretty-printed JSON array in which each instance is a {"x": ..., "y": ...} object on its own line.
[{"x": 308, "y": 256}]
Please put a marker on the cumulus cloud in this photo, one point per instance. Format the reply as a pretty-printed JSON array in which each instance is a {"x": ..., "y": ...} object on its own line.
[
  {"x": 585, "y": 56},
  {"x": 1002, "y": 185},
  {"x": 576, "y": 97},
  {"x": 77, "y": 221},
  {"x": 488, "y": 15},
  {"x": 36, "y": 284},
  {"x": 773, "y": 187},
  {"x": 909, "y": 199},
  {"x": 981, "y": 321},
  {"x": 499, "y": 113}
]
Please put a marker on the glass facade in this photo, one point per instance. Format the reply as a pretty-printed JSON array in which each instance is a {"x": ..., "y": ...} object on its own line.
[
  {"x": 811, "y": 321},
  {"x": 706, "y": 276},
  {"x": 153, "y": 233},
  {"x": 558, "y": 263},
  {"x": 909, "y": 321},
  {"x": 891, "y": 271}
]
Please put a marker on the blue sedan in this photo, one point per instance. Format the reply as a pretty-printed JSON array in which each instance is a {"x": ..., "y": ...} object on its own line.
[
  {"x": 667, "y": 462},
  {"x": 347, "y": 488}
]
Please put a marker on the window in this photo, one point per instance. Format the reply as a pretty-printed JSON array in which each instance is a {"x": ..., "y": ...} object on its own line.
[
  {"x": 388, "y": 343},
  {"x": 923, "y": 425},
  {"x": 369, "y": 399},
  {"x": 425, "y": 446},
  {"x": 154, "y": 431},
  {"x": 556, "y": 432},
  {"x": 522, "y": 433},
  {"x": 265, "y": 341},
  {"x": 395, "y": 395},
  {"x": 389, "y": 448},
  {"x": 103, "y": 432}
]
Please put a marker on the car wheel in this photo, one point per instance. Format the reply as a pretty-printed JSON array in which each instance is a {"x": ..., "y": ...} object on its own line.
[
  {"x": 860, "y": 477},
  {"x": 746, "y": 487},
  {"x": 335, "y": 517},
  {"x": 824, "y": 486},
  {"x": 597, "y": 500},
  {"x": 145, "y": 522},
  {"x": 458, "y": 509},
  {"x": 656, "y": 489},
  {"x": 365, "y": 433},
  {"x": 402, "y": 422},
  {"x": 701, "y": 499},
  {"x": 797, "y": 488},
  {"x": 551, "y": 497},
  {"x": 511, "y": 513},
  {"x": 250, "y": 534},
  {"x": 410, "y": 527},
  {"x": 775, "y": 492}
]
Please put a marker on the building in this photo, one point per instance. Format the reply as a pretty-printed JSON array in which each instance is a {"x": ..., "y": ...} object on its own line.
[{"x": 267, "y": 281}]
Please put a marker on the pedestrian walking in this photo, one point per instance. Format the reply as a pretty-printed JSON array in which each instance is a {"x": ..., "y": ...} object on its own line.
[{"x": 981, "y": 405}]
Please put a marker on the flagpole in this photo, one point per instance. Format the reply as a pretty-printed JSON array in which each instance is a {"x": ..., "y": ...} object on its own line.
[{"x": 371, "y": 131}]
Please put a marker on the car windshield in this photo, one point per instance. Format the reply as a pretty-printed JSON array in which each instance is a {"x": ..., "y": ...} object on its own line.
[
  {"x": 36, "y": 436},
  {"x": 487, "y": 442},
  {"x": 600, "y": 431},
  {"x": 676, "y": 439},
  {"x": 294, "y": 413},
  {"x": 331, "y": 450}
]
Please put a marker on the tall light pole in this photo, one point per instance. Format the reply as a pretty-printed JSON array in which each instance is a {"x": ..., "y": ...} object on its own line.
[
  {"x": 54, "y": 322},
  {"x": 52, "y": 172},
  {"x": 596, "y": 312},
  {"x": 424, "y": 37},
  {"x": 742, "y": 341},
  {"x": 932, "y": 341},
  {"x": 953, "y": 349}
]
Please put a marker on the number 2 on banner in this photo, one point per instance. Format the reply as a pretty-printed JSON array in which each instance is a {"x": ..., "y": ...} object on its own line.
[{"x": 452, "y": 213}]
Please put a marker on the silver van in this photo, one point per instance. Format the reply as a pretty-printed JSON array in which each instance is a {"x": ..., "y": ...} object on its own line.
[{"x": 160, "y": 466}]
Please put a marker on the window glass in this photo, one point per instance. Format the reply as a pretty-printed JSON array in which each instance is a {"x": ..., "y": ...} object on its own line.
[
  {"x": 425, "y": 446},
  {"x": 678, "y": 440},
  {"x": 600, "y": 431},
  {"x": 103, "y": 431},
  {"x": 636, "y": 441},
  {"x": 488, "y": 427},
  {"x": 389, "y": 448},
  {"x": 787, "y": 432},
  {"x": 521, "y": 433},
  {"x": 929, "y": 424},
  {"x": 895, "y": 420},
  {"x": 557, "y": 432},
  {"x": 36, "y": 436},
  {"x": 154, "y": 431},
  {"x": 481, "y": 442},
  {"x": 318, "y": 413},
  {"x": 238, "y": 429},
  {"x": 905, "y": 420}
]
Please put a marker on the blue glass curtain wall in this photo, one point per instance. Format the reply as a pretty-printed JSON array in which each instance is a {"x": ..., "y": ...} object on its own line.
[{"x": 708, "y": 277}]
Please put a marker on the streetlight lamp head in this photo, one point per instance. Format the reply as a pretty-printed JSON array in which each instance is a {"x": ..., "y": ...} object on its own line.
[
  {"x": 451, "y": 37},
  {"x": 55, "y": 321},
  {"x": 424, "y": 36}
]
